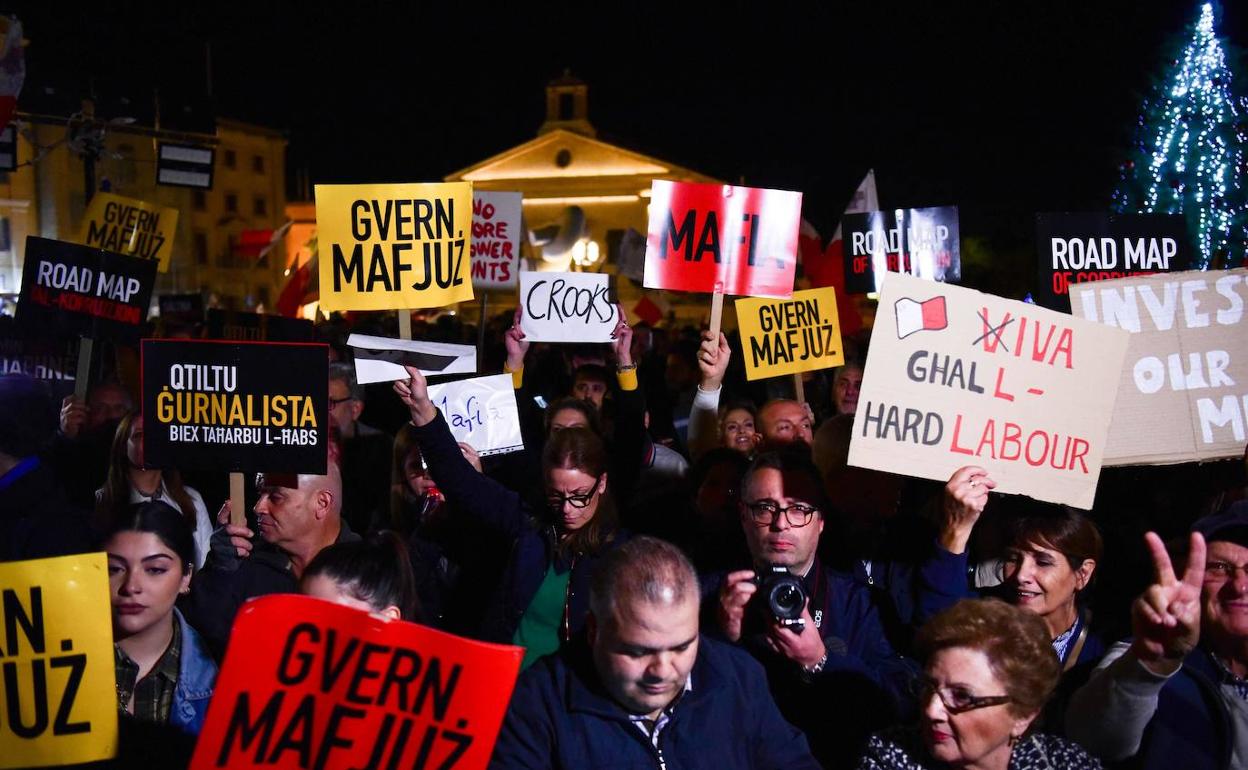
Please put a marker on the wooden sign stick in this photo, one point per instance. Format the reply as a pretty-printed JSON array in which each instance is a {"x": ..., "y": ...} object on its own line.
[
  {"x": 238, "y": 499},
  {"x": 799, "y": 388},
  {"x": 405, "y": 324},
  {"x": 717, "y": 309}
]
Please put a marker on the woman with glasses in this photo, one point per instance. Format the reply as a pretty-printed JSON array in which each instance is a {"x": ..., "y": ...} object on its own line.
[
  {"x": 543, "y": 598},
  {"x": 989, "y": 668}
]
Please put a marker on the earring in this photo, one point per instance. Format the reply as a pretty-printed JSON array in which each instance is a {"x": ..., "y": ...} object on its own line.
[{"x": 1013, "y": 740}]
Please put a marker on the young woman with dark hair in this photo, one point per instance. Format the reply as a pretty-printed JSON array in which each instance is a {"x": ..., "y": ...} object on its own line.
[
  {"x": 164, "y": 672},
  {"x": 374, "y": 575}
]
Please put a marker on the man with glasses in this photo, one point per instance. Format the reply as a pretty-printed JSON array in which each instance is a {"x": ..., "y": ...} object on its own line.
[
  {"x": 1178, "y": 690},
  {"x": 365, "y": 451},
  {"x": 838, "y": 654}
]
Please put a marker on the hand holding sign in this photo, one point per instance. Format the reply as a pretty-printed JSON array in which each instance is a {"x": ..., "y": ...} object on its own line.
[
  {"x": 622, "y": 339},
  {"x": 414, "y": 393},
  {"x": 713, "y": 356},
  {"x": 73, "y": 415},
  {"x": 517, "y": 345},
  {"x": 1165, "y": 619},
  {"x": 965, "y": 496}
]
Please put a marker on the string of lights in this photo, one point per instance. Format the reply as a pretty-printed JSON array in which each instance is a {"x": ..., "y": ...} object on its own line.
[{"x": 1190, "y": 151}]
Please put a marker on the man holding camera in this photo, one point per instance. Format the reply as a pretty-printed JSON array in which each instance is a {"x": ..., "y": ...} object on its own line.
[{"x": 816, "y": 632}]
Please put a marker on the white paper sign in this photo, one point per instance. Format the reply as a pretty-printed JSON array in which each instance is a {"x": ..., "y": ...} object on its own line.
[
  {"x": 481, "y": 412},
  {"x": 495, "y": 239},
  {"x": 567, "y": 307},
  {"x": 381, "y": 359}
]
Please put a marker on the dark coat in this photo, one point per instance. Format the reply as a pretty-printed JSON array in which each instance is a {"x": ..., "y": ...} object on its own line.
[
  {"x": 1192, "y": 721},
  {"x": 503, "y": 511},
  {"x": 36, "y": 521},
  {"x": 560, "y": 717},
  {"x": 865, "y": 682}
]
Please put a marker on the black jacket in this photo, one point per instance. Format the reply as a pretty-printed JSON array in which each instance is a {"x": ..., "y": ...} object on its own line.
[{"x": 36, "y": 521}]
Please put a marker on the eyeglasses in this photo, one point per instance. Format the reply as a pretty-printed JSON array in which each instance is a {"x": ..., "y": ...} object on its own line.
[
  {"x": 765, "y": 513},
  {"x": 556, "y": 500},
  {"x": 1222, "y": 570},
  {"x": 956, "y": 700},
  {"x": 334, "y": 402}
]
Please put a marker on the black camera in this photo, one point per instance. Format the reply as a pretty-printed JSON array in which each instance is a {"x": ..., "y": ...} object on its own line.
[{"x": 784, "y": 594}]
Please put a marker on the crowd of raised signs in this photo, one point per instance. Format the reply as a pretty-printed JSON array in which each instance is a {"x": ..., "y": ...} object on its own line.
[
  {"x": 974, "y": 536},
  {"x": 940, "y": 625}
]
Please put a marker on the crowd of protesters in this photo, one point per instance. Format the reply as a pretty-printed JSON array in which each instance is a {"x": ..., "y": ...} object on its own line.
[{"x": 641, "y": 548}]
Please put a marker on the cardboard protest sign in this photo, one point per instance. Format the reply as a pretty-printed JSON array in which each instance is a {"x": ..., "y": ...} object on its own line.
[
  {"x": 76, "y": 290},
  {"x": 1074, "y": 248},
  {"x": 381, "y": 359},
  {"x": 59, "y": 688},
  {"x": 235, "y": 406},
  {"x": 310, "y": 684},
  {"x": 956, "y": 377},
  {"x": 394, "y": 246},
  {"x": 920, "y": 242},
  {"x": 128, "y": 226},
  {"x": 257, "y": 327},
  {"x": 1183, "y": 391},
  {"x": 496, "y": 232},
  {"x": 742, "y": 239},
  {"x": 567, "y": 307},
  {"x": 789, "y": 336},
  {"x": 481, "y": 412}
]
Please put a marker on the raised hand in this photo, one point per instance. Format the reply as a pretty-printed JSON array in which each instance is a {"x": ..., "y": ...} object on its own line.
[
  {"x": 517, "y": 345},
  {"x": 622, "y": 339},
  {"x": 73, "y": 415},
  {"x": 414, "y": 392},
  {"x": 1166, "y": 617},
  {"x": 736, "y": 592},
  {"x": 964, "y": 499},
  {"x": 713, "y": 355}
]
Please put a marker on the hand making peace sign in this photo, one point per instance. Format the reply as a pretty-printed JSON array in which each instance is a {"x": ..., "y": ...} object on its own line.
[{"x": 1166, "y": 617}]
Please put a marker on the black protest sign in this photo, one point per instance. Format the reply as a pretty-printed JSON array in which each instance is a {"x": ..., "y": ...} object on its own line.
[
  {"x": 922, "y": 242},
  {"x": 257, "y": 327},
  {"x": 77, "y": 290},
  {"x": 236, "y": 406},
  {"x": 181, "y": 308},
  {"x": 1076, "y": 248}
]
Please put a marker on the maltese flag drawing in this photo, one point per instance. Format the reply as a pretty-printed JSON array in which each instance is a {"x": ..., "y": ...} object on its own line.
[{"x": 914, "y": 316}]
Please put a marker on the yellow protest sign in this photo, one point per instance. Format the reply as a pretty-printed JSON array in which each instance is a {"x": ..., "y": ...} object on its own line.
[
  {"x": 59, "y": 686},
  {"x": 786, "y": 336},
  {"x": 130, "y": 226},
  {"x": 394, "y": 246}
]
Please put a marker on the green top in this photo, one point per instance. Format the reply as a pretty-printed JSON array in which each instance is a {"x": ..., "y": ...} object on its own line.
[{"x": 538, "y": 632}]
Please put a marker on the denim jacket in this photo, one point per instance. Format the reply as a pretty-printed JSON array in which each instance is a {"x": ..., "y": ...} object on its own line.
[{"x": 197, "y": 673}]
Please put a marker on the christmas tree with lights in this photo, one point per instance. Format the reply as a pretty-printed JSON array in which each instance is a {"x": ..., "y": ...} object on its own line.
[{"x": 1190, "y": 151}]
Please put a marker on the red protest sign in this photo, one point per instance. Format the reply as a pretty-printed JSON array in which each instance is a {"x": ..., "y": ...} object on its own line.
[
  {"x": 310, "y": 684},
  {"x": 742, "y": 238}
]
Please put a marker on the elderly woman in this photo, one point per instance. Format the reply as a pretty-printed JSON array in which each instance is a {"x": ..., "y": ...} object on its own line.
[{"x": 988, "y": 670}]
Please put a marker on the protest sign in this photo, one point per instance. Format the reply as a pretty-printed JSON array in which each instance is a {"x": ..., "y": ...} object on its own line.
[
  {"x": 258, "y": 327},
  {"x": 381, "y": 359},
  {"x": 42, "y": 359},
  {"x": 789, "y": 336},
  {"x": 76, "y": 290},
  {"x": 132, "y": 227},
  {"x": 495, "y": 239},
  {"x": 181, "y": 308},
  {"x": 567, "y": 307},
  {"x": 59, "y": 689},
  {"x": 311, "y": 684},
  {"x": 920, "y": 242},
  {"x": 956, "y": 377},
  {"x": 394, "y": 246},
  {"x": 481, "y": 412},
  {"x": 1075, "y": 248},
  {"x": 741, "y": 239},
  {"x": 1183, "y": 391},
  {"x": 235, "y": 406}
]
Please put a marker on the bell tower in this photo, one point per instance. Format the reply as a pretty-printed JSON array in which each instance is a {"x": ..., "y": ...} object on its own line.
[{"x": 567, "y": 106}]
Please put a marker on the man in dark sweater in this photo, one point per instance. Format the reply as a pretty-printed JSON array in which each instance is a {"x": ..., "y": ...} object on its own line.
[
  {"x": 644, "y": 688},
  {"x": 297, "y": 518},
  {"x": 365, "y": 454}
]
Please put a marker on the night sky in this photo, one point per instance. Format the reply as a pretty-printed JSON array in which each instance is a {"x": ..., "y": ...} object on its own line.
[{"x": 1002, "y": 108}]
